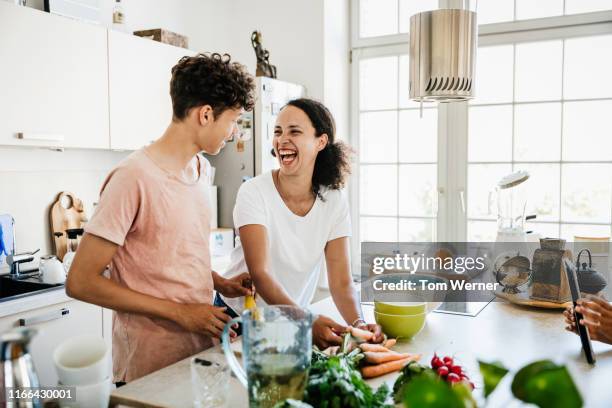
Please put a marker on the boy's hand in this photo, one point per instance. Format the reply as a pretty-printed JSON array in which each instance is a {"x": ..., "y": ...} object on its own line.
[
  {"x": 232, "y": 287},
  {"x": 203, "y": 318}
]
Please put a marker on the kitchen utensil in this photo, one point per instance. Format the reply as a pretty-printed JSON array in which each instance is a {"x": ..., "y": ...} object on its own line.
[
  {"x": 402, "y": 327},
  {"x": 66, "y": 213},
  {"x": 400, "y": 308},
  {"x": 512, "y": 272},
  {"x": 589, "y": 280},
  {"x": 17, "y": 365},
  {"x": 51, "y": 270},
  {"x": 249, "y": 301},
  {"x": 73, "y": 235},
  {"x": 210, "y": 380},
  {"x": 91, "y": 395},
  {"x": 523, "y": 299},
  {"x": 82, "y": 360},
  {"x": 511, "y": 204},
  {"x": 276, "y": 349}
]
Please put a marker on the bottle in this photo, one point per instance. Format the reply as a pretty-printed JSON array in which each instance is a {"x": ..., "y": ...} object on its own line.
[{"x": 118, "y": 17}]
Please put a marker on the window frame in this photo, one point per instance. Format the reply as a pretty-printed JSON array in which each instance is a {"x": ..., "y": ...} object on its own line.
[{"x": 453, "y": 118}]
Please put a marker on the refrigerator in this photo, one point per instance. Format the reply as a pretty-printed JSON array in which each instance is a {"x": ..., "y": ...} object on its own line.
[{"x": 250, "y": 154}]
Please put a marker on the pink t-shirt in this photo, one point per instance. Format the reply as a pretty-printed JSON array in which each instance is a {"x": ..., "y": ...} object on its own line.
[{"x": 162, "y": 226}]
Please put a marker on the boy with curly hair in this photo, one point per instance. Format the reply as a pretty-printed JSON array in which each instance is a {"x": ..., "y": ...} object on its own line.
[{"x": 152, "y": 226}]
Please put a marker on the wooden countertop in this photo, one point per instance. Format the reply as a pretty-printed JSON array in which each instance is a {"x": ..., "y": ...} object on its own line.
[{"x": 508, "y": 333}]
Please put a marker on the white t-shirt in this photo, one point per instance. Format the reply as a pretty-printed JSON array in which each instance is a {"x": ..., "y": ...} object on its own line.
[{"x": 296, "y": 244}]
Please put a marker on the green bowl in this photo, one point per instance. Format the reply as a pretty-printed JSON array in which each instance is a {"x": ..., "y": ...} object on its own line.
[
  {"x": 402, "y": 327},
  {"x": 400, "y": 308}
]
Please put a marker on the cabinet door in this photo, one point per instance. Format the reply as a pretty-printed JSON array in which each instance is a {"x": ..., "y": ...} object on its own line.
[
  {"x": 53, "y": 80},
  {"x": 139, "y": 74},
  {"x": 55, "y": 324}
]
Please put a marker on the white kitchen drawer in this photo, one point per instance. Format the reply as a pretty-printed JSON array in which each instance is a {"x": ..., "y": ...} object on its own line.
[{"x": 55, "y": 323}]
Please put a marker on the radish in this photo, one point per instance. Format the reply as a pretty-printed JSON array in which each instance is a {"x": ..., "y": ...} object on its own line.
[
  {"x": 436, "y": 362},
  {"x": 455, "y": 369},
  {"x": 443, "y": 371},
  {"x": 453, "y": 378}
]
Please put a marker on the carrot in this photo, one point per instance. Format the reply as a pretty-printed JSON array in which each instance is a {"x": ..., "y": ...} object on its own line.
[
  {"x": 390, "y": 343},
  {"x": 373, "y": 347},
  {"x": 379, "y": 358},
  {"x": 385, "y": 368},
  {"x": 361, "y": 334}
]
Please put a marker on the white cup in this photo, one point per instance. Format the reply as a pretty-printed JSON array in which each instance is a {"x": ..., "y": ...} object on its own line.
[
  {"x": 91, "y": 395},
  {"x": 82, "y": 360},
  {"x": 52, "y": 270}
]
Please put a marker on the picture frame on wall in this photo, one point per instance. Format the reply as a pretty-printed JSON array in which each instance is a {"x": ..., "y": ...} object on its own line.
[{"x": 82, "y": 10}]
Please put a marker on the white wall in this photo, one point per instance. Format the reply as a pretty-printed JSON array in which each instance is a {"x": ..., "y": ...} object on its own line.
[{"x": 32, "y": 179}]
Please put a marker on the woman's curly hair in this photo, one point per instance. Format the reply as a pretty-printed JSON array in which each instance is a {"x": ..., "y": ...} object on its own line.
[
  {"x": 210, "y": 79},
  {"x": 333, "y": 163}
]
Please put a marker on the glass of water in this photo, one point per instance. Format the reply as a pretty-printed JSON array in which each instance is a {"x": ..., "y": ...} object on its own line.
[{"x": 210, "y": 376}]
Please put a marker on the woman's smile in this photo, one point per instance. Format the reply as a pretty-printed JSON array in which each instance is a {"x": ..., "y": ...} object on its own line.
[{"x": 287, "y": 156}]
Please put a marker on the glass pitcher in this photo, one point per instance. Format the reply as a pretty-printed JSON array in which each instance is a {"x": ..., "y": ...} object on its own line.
[{"x": 276, "y": 351}]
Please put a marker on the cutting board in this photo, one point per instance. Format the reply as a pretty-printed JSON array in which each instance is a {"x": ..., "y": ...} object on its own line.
[
  {"x": 66, "y": 213},
  {"x": 523, "y": 299}
]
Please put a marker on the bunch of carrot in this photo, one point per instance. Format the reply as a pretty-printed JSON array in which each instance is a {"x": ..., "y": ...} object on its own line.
[{"x": 378, "y": 359}]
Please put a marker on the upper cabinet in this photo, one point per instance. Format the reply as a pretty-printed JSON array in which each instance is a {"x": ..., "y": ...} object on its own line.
[
  {"x": 139, "y": 89},
  {"x": 53, "y": 80}
]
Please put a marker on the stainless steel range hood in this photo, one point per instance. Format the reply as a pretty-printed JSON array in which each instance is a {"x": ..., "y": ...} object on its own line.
[{"x": 442, "y": 55}]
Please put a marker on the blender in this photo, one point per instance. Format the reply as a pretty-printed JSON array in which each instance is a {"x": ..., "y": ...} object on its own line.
[{"x": 511, "y": 205}]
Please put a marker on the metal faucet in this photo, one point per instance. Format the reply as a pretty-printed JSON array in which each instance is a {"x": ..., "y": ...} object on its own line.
[{"x": 15, "y": 261}]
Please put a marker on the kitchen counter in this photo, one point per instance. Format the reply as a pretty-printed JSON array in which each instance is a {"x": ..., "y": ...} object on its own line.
[{"x": 504, "y": 332}]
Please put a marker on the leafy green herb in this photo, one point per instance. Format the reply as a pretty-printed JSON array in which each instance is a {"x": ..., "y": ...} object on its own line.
[
  {"x": 335, "y": 382},
  {"x": 492, "y": 373}
]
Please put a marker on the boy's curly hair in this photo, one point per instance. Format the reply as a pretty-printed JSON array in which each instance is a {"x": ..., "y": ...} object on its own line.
[{"x": 210, "y": 79}]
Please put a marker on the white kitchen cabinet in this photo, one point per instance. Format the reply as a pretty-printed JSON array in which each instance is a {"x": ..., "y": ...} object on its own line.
[
  {"x": 139, "y": 89},
  {"x": 53, "y": 80},
  {"x": 55, "y": 324}
]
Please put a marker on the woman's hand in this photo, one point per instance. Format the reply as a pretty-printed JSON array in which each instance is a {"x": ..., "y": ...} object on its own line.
[
  {"x": 326, "y": 332},
  {"x": 203, "y": 318},
  {"x": 596, "y": 317},
  {"x": 374, "y": 328},
  {"x": 232, "y": 287}
]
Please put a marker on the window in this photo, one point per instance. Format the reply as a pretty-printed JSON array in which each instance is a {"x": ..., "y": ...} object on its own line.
[
  {"x": 542, "y": 105},
  {"x": 397, "y": 155},
  {"x": 543, "y": 108}
]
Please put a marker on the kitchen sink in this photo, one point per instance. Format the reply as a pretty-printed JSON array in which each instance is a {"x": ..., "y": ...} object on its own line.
[{"x": 12, "y": 288}]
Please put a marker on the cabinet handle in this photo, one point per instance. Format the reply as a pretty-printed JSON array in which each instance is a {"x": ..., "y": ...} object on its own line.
[
  {"x": 40, "y": 137},
  {"x": 47, "y": 317}
]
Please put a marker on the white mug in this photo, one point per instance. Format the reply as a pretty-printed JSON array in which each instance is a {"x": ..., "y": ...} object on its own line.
[
  {"x": 82, "y": 360},
  {"x": 52, "y": 270}
]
